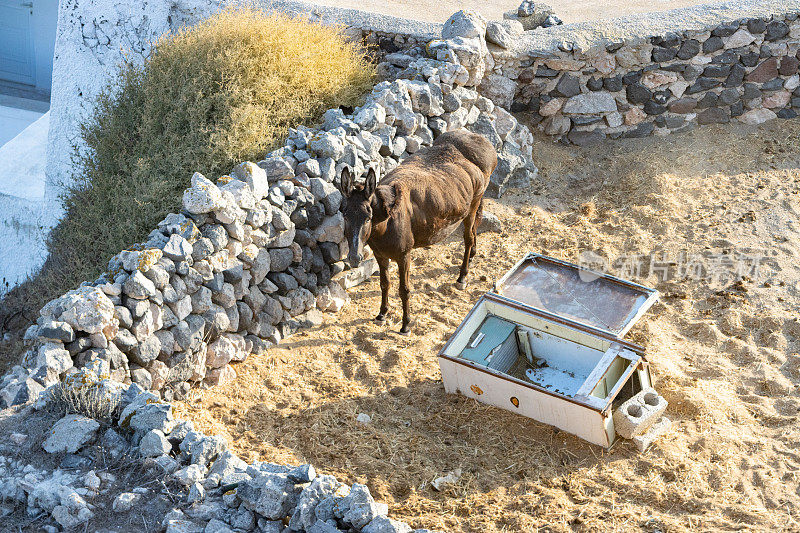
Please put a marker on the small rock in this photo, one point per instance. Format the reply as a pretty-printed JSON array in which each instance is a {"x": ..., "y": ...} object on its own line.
[
  {"x": 196, "y": 493},
  {"x": 125, "y": 501},
  {"x": 382, "y": 524},
  {"x": 361, "y": 508},
  {"x": 503, "y": 33},
  {"x": 490, "y": 223},
  {"x": 70, "y": 434},
  {"x": 137, "y": 286},
  {"x": 92, "y": 481},
  {"x": 757, "y": 116},
  {"x": 590, "y": 104},
  {"x": 154, "y": 444},
  {"x": 54, "y": 330},
  {"x": 217, "y": 526},
  {"x": 183, "y": 526},
  {"x": 440, "y": 483},
  {"x": 189, "y": 475}
]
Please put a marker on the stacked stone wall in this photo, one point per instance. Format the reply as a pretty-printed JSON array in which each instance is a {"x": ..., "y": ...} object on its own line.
[{"x": 583, "y": 83}]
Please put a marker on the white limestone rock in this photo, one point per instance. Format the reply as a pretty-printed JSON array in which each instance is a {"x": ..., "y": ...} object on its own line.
[
  {"x": 464, "y": 23},
  {"x": 86, "y": 309},
  {"x": 154, "y": 444},
  {"x": 203, "y": 196},
  {"x": 177, "y": 248},
  {"x": 504, "y": 33},
  {"x": 255, "y": 176},
  {"x": 70, "y": 434},
  {"x": 332, "y": 298},
  {"x": 189, "y": 475},
  {"x": 125, "y": 501}
]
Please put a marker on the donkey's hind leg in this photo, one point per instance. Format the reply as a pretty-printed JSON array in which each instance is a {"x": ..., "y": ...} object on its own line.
[
  {"x": 469, "y": 247},
  {"x": 475, "y": 224}
]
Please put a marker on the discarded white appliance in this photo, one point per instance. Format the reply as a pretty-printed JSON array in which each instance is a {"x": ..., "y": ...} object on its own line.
[{"x": 546, "y": 343}]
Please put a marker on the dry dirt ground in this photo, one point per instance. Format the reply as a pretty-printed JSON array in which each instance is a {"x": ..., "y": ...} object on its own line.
[
  {"x": 567, "y": 10},
  {"x": 724, "y": 354}
]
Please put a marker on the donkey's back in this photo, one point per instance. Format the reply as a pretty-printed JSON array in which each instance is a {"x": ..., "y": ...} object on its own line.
[
  {"x": 455, "y": 158},
  {"x": 443, "y": 184}
]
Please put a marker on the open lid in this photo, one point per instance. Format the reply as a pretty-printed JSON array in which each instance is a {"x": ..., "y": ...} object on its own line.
[{"x": 599, "y": 301}]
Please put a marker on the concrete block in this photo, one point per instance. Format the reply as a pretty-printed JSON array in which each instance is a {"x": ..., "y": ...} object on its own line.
[
  {"x": 639, "y": 413},
  {"x": 356, "y": 276},
  {"x": 656, "y": 430}
]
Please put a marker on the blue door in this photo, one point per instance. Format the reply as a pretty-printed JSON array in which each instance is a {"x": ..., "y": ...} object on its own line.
[{"x": 16, "y": 42}]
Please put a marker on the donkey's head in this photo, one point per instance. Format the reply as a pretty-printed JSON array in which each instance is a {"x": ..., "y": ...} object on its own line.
[{"x": 361, "y": 210}]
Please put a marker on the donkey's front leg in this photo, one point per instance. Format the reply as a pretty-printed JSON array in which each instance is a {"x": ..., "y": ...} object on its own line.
[
  {"x": 383, "y": 266},
  {"x": 404, "y": 264}
]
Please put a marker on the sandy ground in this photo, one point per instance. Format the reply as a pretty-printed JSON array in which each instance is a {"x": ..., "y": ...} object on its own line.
[
  {"x": 724, "y": 354},
  {"x": 567, "y": 10}
]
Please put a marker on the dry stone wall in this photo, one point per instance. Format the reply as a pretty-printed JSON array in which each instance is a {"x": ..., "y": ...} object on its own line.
[
  {"x": 254, "y": 255},
  {"x": 649, "y": 74}
]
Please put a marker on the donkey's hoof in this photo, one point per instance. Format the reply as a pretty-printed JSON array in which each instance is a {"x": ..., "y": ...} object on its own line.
[
  {"x": 461, "y": 285},
  {"x": 406, "y": 329},
  {"x": 381, "y": 318}
]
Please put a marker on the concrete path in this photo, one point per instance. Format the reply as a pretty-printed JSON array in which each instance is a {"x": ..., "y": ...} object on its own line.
[{"x": 567, "y": 10}]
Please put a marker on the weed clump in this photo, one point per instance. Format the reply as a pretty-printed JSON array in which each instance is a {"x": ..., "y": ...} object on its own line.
[
  {"x": 212, "y": 95},
  {"x": 89, "y": 400}
]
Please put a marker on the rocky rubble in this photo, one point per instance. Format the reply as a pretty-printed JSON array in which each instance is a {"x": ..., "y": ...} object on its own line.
[
  {"x": 531, "y": 15},
  {"x": 206, "y": 486}
]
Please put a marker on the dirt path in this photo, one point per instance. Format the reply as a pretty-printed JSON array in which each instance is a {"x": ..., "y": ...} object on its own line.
[
  {"x": 567, "y": 10},
  {"x": 725, "y": 355}
]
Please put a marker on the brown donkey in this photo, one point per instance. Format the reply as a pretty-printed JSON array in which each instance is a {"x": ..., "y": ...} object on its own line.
[{"x": 417, "y": 204}]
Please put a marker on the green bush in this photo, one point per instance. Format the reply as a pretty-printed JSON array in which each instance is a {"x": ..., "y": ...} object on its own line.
[{"x": 210, "y": 96}]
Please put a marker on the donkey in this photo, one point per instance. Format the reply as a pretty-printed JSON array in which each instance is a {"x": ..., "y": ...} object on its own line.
[{"x": 418, "y": 204}]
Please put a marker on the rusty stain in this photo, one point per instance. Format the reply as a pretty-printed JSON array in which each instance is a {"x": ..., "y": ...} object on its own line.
[{"x": 477, "y": 390}]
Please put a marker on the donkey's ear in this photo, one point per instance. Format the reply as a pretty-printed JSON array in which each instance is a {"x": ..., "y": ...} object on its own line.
[
  {"x": 387, "y": 201},
  {"x": 346, "y": 182},
  {"x": 370, "y": 183}
]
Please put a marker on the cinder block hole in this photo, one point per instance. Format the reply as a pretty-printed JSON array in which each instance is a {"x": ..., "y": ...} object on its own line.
[
  {"x": 635, "y": 410},
  {"x": 651, "y": 398}
]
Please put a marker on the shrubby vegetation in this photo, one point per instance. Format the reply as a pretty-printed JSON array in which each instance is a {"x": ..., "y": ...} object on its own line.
[{"x": 221, "y": 92}]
